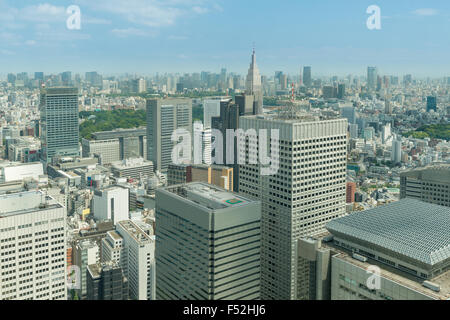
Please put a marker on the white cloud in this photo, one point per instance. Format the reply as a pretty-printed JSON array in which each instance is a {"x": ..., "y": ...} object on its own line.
[
  {"x": 152, "y": 13},
  {"x": 426, "y": 12},
  {"x": 123, "y": 33}
]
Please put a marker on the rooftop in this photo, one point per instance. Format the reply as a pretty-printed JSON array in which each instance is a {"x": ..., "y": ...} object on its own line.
[
  {"x": 209, "y": 196},
  {"x": 25, "y": 202},
  {"x": 437, "y": 173},
  {"x": 133, "y": 229},
  {"x": 412, "y": 228}
]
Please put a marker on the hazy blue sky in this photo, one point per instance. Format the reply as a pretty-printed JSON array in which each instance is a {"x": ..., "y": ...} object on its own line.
[{"x": 148, "y": 36}]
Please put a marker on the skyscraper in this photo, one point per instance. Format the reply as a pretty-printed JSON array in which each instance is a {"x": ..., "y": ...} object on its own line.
[
  {"x": 59, "y": 123},
  {"x": 33, "y": 247},
  {"x": 253, "y": 85},
  {"x": 372, "y": 78},
  {"x": 207, "y": 245},
  {"x": 307, "y": 77},
  {"x": 308, "y": 190},
  {"x": 164, "y": 116},
  {"x": 431, "y": 104}
]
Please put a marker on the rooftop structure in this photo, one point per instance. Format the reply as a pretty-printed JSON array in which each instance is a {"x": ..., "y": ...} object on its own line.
[{"x": 416, "y": 233}]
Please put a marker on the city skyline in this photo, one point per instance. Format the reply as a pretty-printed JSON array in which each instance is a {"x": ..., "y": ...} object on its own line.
[{"x": 184, "y": 36}]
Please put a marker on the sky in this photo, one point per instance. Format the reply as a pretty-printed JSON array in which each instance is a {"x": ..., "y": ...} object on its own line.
[{"x": 149, "y": 36}]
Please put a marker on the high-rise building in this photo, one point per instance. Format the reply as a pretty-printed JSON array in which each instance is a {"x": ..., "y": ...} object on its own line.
[
  {"x": 431, "y": 104},
  {"x": 307, "y": 191},
  {"x": 33, "y": 247},
  {"x": 307, "y": 77},
  {"x": 349, "y": 113},
  {"x": 341, "y": 91},
  {"x": 372, "y": 78},
  {"x": 105, "y": 281},
  {"x": 111, "y": 203},
  {"x": 211, "y": 108},
  {"x": 85, "y": 252},
  {"x": 430, "y": 184},
  {"x": 59, "y": 123},
  {"x": 202, "y": 137},
  {"x": 387, "y": 107},
  {"x": 138, "y": 260},
  {"x": 351, "y": 189},
  {"x": 396, "y": 153},
  {"x": 253, "y": 85},
  {"x": 208, "y": 244},
  {"x": 164, "y": 116}
]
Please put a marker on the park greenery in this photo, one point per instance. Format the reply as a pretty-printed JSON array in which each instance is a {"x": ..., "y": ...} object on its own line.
[
  {"x": 110, "y": 120},
  {"x": 434, "y": 131}
]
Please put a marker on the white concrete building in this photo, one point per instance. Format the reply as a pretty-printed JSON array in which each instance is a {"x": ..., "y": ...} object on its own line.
[
  {"x": 111, "y": 204},
  {"x": 33, "y": 247},
  {"x": 138, "y": 260}
]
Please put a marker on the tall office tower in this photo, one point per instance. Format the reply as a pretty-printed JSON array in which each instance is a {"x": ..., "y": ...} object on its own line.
[
  {"x": 328, "y": 92},
  {"x": 228, "y": 120},
  {"x": 253, "y": 85},
  {"x": 59, "y": 123},
  {"x": 372, "y": 78},
  {"x": 396, "y": 153},
  {"x": 341, "y": 91},
  {"x": 284, "y": 81},
  {"x": 349, "y": 113},
  {"x": 202, "y": 137},
  {"x": 208, "y": 244},
  {"x": 407, "y": 79},
  {"x": 105, "y": 281},
  {"x": 211, "y": 108},
  {"x": 111, "y": 203},
  {"x": 85, "y": 252},
  {"x": 387, "y": 107},
  {"x": 431, "y": 104},
  {"x": 245, "y": 103},
  {"x": 94, "y": 78},
  {"x": 33, "y": 247},
  {"x": 429, "y": 184},
  {"x": 39, "y": 76},
  {"x": 308, "y": 190},
  {"x": 66, "y": 78},
  {"x": 138, "y": 260},
  {"x": 307, "y": 77},
  {"x": 164, "y": 116},
  {"x": 353, "y": 130}
]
